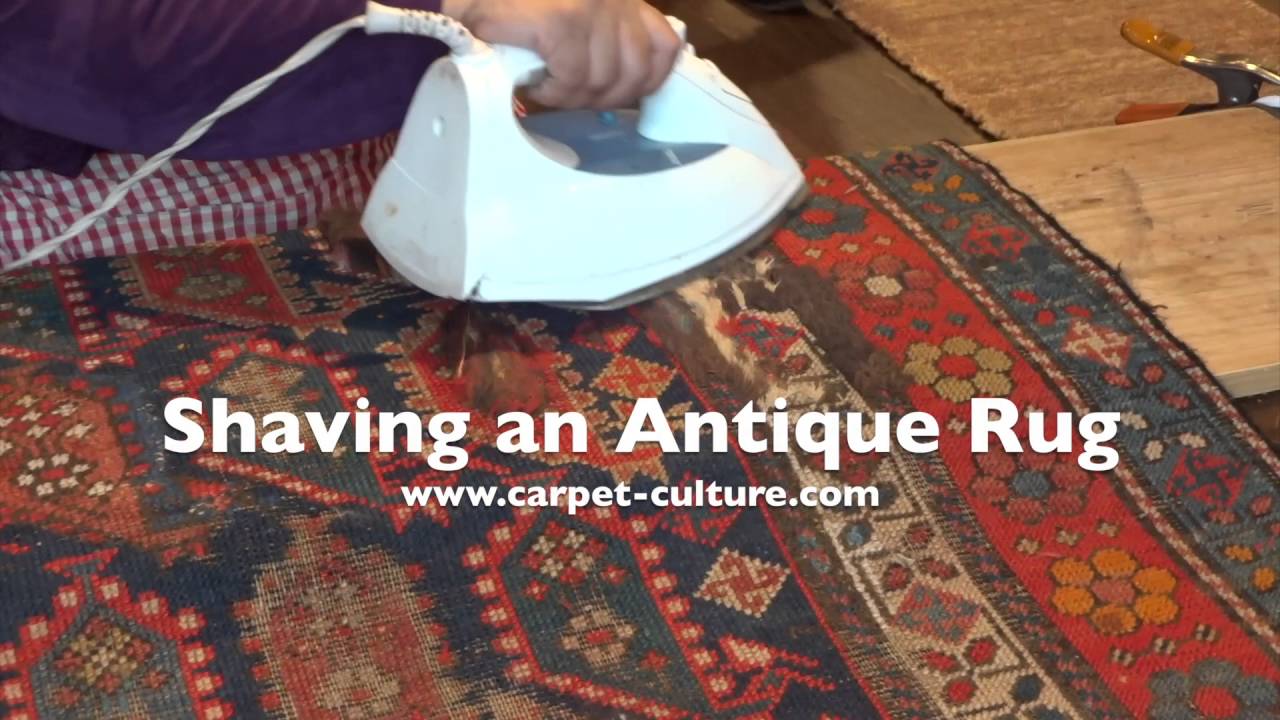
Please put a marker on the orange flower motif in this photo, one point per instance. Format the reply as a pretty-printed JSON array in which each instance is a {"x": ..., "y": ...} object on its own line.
[{"x": 1114, "y": 592}]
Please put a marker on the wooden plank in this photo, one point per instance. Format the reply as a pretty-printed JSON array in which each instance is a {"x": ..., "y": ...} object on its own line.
[{"x": 1189, "y": 210}]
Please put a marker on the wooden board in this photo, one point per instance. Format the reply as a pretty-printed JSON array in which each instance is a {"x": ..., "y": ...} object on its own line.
[{"x": 1189, "y": 210}]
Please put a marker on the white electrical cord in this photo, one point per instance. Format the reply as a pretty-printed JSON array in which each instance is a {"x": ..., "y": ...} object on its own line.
[{"x": 376, "y": 20}]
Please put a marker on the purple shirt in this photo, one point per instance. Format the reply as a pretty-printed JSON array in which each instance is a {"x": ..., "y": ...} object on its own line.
[{"x": 132, "y": 75}]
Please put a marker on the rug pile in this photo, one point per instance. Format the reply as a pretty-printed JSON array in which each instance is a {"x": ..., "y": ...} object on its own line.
[{"x": 140, "y": 583}]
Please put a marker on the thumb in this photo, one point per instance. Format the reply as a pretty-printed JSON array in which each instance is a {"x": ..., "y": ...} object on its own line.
[{"x": 506, "y": 27}]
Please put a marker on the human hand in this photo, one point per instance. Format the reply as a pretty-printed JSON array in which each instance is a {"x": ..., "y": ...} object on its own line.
[{"x": 600, "y": 54}]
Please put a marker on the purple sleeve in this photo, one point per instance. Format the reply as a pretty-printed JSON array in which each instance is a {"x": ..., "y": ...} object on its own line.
[{"x": 132, "y": 75}]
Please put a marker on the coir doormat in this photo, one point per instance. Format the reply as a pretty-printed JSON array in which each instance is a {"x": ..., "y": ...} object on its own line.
[
  {"x": 1033, "y": 68},
  {"x": 137, "y": 582}
]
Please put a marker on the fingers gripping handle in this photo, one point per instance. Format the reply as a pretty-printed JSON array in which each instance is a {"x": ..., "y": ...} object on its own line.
[
  {"x": 523, "y": 66},
  {"x": 382, "y": 19},
  {"x": 689, "y": 107},
  {"x": 679, "y": 27},
  {"x": 526, "y": 67}
]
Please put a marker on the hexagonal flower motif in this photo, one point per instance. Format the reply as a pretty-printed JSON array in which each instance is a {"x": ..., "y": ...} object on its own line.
[
  {"x": 1115, "y": 593},
  {"x": 886, "y": 285},
  {"x": 960, "y": 369},
  {"x": 825, "y": 216},
  {"x": 1031, "y": 486},
  {"x": 1213, "y": 688}
]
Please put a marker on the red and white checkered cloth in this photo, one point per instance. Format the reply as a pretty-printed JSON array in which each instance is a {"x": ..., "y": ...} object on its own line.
[{"x": 184, "y": 203}]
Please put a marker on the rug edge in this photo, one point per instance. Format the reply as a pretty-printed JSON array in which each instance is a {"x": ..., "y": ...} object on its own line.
[{"x": 1092, "y": 261}]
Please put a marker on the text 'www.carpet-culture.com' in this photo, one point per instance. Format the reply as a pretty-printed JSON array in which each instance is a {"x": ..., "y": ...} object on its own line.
[{"x": 696, "y": 494}]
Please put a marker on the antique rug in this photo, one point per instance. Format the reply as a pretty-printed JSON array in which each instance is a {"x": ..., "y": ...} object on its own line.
[
  {"x": 1032, "y": 68},
  {"x": 140, "y": 583}
]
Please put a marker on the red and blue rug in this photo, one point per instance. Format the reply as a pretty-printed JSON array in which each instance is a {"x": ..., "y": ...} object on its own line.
[{"x": 137, "y": 583}]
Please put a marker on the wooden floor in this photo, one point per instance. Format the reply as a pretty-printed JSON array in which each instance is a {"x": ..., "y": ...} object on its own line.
[
  {"x": 825, "y": 86},
  {"x": 830, "y": 90}
]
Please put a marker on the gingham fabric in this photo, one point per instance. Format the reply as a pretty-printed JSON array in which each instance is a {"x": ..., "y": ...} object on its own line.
[{"x": 184, "y": 203}]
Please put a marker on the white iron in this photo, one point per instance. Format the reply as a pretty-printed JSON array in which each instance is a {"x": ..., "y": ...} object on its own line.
[
  {"x": 573, "y": 208},
  {"x": 570, "y": 208}
]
